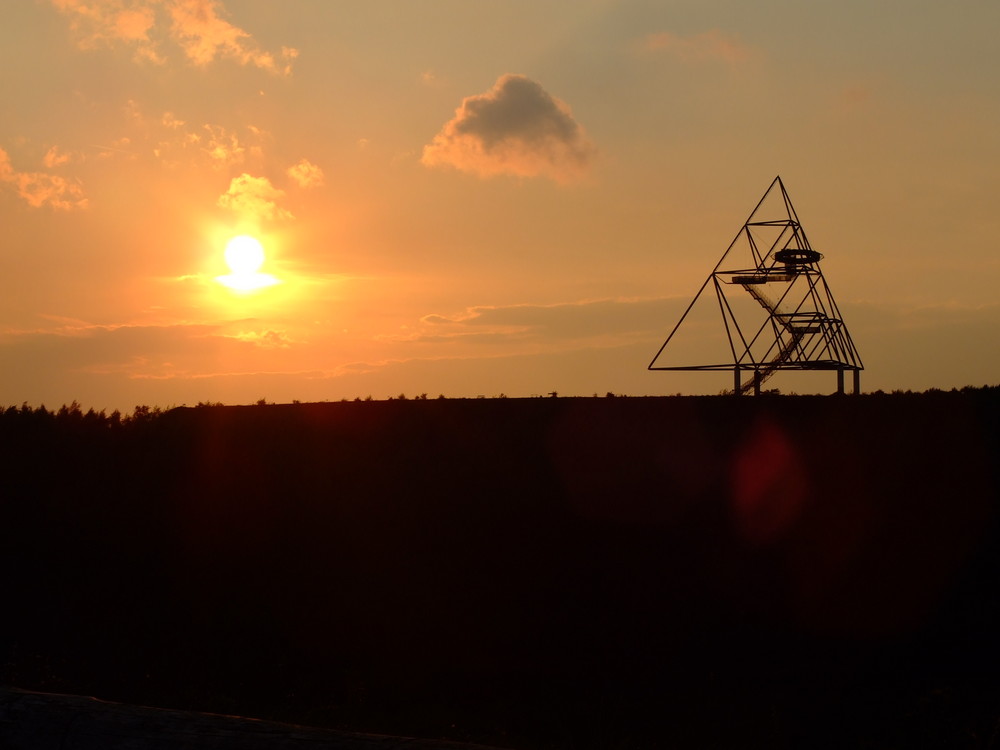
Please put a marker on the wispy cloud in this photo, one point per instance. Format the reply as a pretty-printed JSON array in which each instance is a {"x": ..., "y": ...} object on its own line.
[
  {"x": 267, "y": 339},
  {"x": 306, "y": 174},
  {"x": 515, "y": 128},
  {"x": 54, "y": 157},
  {"x": 254, "y": 198},
  {"x": 78, "y": 346},
  {"x": 204, "y": 34},
  {"x": 39, "y": 189},
  {"x": 102, "y": 22},
  {"x": 430, "y": 79},
  {"x": 710, "y": 45},
  {"x": 222, "y": 146},
  {"x": 175, "y": 141},
  {"x": 198, "y": 27},
  {"x": 587, "y": 322},
  {"x": 140, "y": 350}
]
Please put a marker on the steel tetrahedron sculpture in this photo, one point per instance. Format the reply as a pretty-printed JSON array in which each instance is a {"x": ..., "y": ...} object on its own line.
[{"x": 776, "y": 309}]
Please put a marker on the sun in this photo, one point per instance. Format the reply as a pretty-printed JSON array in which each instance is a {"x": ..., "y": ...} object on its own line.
[{"x": 245, "y": 256}]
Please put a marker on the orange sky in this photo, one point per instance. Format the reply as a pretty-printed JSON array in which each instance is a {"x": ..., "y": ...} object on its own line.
[{"x": 478, "y": 198}]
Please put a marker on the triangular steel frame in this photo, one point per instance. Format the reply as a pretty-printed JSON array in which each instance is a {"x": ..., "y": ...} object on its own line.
[{"x": 803, "y": 328}]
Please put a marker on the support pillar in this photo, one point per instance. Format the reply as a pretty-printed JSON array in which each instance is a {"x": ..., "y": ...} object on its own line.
[
  {"x": 840, "y": 382},
  {"x": 756, "y": 382},
  {"x": 857, "y": 382},
  {"x": 736, "y": 381}
]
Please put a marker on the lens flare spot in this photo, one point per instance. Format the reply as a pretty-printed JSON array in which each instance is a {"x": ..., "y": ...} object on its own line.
[{"x": 769, "y": 485}]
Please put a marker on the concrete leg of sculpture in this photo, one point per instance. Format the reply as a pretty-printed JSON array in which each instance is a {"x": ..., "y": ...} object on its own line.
[
  {"x": 857, "y": 382},
  {"x": 840, "y": 382}
]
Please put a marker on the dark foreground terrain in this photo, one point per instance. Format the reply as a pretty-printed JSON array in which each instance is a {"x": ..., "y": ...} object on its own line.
[{"x": 540, "y": 573}]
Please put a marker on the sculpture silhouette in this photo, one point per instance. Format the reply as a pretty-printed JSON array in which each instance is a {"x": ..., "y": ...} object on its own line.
[{"x": 795, "y": 323}]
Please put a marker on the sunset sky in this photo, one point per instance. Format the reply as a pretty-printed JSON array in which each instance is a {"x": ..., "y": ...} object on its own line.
[{"x": 476, "y": 197}]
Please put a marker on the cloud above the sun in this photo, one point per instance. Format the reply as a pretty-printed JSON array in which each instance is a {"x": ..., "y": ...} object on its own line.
[
  {"x": 198, "y": 27},
  {"x": 254, "y": 198},
  {"x": 516, "y": 128}
]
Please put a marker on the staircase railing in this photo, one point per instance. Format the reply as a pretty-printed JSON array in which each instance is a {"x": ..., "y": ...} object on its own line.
[{"x": 787, "y": 348}]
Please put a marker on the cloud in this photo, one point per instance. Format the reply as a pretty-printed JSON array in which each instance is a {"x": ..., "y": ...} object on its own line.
[
  {"x": 221, "y": 147},
  {"x": 143, "y": 349},
  {"x": 102, "y": 22},
  {"x": 55, "y": 158},
  {"x": 204, "y": 35},
  {"x": 430, "y": 79},
  {"x": 515, "y": 128},
  {"x": 39, "y": 189},
  {"x": 267, "y": 339},
  {"x": 254, "y": 197},
  {"x": 196, "y": 26},
  {"x": 170, "y": 122},
  {"x": 306, "y": 174},
  {"x": 586, "y": 323},
  {"x": 706, "y": 46},
  {"x": 78, "y": 346}
]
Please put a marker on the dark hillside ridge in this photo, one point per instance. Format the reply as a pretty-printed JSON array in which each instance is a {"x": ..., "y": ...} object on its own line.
[{"x": 532, "y": 572}]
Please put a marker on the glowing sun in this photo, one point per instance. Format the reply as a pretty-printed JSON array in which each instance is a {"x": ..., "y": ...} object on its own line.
[{"x": 245, "y": 256}]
